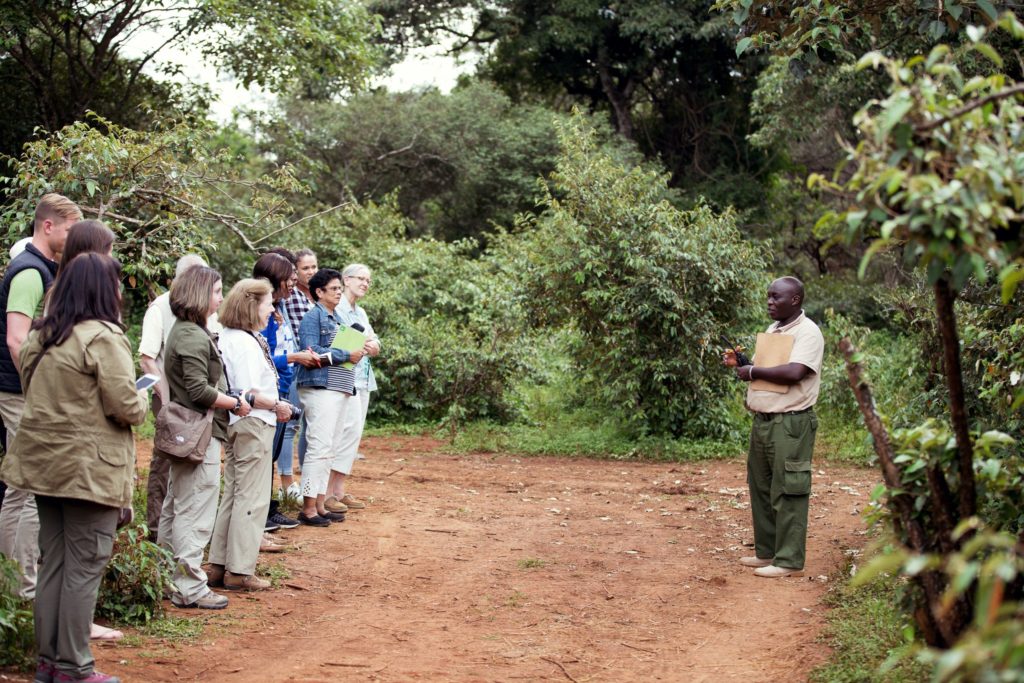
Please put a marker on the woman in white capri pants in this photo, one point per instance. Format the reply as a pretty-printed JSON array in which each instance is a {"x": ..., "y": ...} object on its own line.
[
  {"x": 322, "y": 391},
  {"x": 356, "y": 279}
]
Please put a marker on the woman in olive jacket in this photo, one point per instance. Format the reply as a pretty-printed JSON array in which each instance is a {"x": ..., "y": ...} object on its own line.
[{"x": 75, "y": 452}]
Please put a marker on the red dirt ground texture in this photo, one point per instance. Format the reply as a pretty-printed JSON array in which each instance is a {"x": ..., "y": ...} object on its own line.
[{"x": 490, "y": 567}]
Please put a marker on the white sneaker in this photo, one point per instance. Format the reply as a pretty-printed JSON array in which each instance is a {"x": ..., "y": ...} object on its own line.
[
  {"x": 360, "y": 456},
  {"x": 294, "y": 492},
  {"x": 756, "y": 561},
  {"x": 773, "y": 572}
]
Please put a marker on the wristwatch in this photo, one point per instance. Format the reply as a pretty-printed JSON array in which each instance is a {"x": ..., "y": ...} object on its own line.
[{"x": 238, "y": 404}]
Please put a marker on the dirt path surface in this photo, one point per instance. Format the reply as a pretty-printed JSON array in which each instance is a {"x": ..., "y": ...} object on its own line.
[{"x": 501, "y": 568}]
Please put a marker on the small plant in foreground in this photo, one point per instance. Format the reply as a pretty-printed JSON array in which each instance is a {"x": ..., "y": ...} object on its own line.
[
  {"x": 275, "y": 573},
  {"x": 17, "y": 630},
  {"x": 531, "y": 563},
  {"x": 137, "y": 577}
]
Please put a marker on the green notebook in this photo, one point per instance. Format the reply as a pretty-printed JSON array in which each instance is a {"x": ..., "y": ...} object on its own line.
[{"x": 348, "y": 339}]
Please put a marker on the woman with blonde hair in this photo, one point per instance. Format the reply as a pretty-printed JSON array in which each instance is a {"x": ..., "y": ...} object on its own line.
[
  {"x": 195, "y": 379},
  {"x": 247, "y": 461}
]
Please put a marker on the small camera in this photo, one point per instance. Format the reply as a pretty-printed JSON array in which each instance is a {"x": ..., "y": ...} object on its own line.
[
  {"x": 248, "y": 397},
  {"x": 296, "y": 413}
]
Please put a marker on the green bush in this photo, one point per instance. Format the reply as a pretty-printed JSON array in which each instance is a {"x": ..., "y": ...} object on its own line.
[
  {"x": 452, "y": 328},
  {"x": 136, "y": 579},
  {"x": 17, "y": 628},
  {"x": 648, "y": 286},
  {"x": 869, "y": 639}
]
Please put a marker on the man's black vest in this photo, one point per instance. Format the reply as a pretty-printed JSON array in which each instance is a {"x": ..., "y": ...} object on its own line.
[{"x": 10, "y": 381}]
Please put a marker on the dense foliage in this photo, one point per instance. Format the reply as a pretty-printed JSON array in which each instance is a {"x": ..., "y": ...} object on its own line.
[
  {"x": 649, "y": 287},
  {"x": 452, "y": 326},
  {"x": 78, "y": 55},
  {"x": 457, "y": 164},
  {"x": 536, "y": 273}
]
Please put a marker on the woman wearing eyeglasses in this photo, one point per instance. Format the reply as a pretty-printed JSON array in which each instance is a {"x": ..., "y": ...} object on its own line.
[
  {"x": 322, "y": 392},
  {"x": 356, "y": 279}
]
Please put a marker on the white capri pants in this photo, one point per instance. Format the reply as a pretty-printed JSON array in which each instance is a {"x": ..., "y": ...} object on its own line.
[
  {"x": 324, "y": 428},
  {"x": 353, "y": 420}
]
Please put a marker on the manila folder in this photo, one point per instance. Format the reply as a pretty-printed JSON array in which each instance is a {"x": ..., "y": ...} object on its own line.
[{"x": 769, "y": 351}]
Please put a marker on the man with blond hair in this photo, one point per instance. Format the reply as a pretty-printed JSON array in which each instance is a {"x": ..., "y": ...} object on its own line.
[
  {"x": 28, "y": 277},
  {"x": 156, "y": 328}
]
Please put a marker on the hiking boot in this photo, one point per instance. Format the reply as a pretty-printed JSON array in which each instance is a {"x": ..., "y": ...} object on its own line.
[
  {"x": 352, "y": 502},
  {"x": 333, "y": 516},
  {"x": 94, "y": 677},
  {"x": 756, "y": 561},
  {"x": 209, "y": 601},
  {"x": 214, "y": 575},
  {"x": 334, "y": 505},
  {"x": 773, "y": 572},
  {"x": 44, "y": 672},
  {"x": 315, "y": 520},
  {"x": 283, "y": 521},
  {"x": 269, "y": 545},
  {"x": 244, "y": 582}
]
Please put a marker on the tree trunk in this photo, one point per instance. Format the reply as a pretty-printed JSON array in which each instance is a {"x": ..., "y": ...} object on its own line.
[
  {"x": 944, "y": 297},
  {"x": 939, "y": 626},
  {"x": 620, "y": 97}
]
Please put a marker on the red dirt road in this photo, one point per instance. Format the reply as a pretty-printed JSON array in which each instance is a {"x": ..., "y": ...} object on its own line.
[{"x": 503, "y": 568}]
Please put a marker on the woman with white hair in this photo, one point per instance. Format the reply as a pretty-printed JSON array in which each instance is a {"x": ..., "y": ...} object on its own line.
[{"x": 356, "y": 279}]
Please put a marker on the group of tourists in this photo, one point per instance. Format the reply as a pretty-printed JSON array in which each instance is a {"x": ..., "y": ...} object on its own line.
[
  {"x": 264, "y": 366},
  {"x": 260, "y": 361}
]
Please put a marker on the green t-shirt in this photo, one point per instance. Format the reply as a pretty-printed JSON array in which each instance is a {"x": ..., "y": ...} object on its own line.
[{"x": 26, "y": 294}]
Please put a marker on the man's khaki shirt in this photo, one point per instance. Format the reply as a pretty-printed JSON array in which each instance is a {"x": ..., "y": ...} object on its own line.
[{"x": 809, "y": 350}]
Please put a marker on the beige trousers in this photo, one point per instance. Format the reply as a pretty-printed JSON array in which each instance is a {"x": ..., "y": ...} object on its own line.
[
  {"x": 243, "y": 509},
  {"x": 186, "y": 521},
  {"x": 19, "y": 519}
]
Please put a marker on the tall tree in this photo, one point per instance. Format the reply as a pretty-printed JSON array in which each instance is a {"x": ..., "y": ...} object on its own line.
[
  {"x": 76, "y": 55},
  {"x": 457, "y": 163},
  {"x": 665, "y": 71}
]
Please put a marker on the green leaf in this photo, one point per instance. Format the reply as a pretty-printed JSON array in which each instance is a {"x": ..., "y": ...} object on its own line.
[
  {"x": 1010, "y": 278},
  {"x": 989, "y": 9},
  {"x": 990, "y": 52},
  {"x": 742, "y": 45},
  {"x": 887, "y": 563}
]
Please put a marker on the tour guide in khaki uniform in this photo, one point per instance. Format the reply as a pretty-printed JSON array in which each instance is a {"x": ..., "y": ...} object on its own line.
[{"x": 782, "y": 437}]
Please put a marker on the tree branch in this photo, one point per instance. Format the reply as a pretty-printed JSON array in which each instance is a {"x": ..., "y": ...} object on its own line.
[
  {"x": 971, "y": 106},
  {"x": 304, "y": 218}
]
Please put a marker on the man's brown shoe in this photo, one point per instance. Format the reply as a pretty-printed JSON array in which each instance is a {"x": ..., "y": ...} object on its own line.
[
  {"x": 268, "y": 545},
  {"x": 352, "y": 503},
  {"x": 242, "y": 582},
  {"x": 773, "y": 572},
  {"x": 755, "y": 561},
  {"x": 214, "y": 575},
  {"x": 334, "y": 505}
]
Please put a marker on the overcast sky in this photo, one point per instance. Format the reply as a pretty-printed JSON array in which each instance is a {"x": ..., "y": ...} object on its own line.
[{"x": 427, "y": 67}]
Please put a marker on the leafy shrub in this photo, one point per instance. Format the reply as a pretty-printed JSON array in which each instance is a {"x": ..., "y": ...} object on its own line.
[
  {"x": 17, "y": 628},
  {"x": 136, "y": 579},
  {"x": 451, "y": 324},
  {"x": 648, "y": 286}
]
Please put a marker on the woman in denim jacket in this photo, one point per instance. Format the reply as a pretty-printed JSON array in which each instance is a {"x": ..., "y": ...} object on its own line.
[{"x": 322, "y": 392}]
